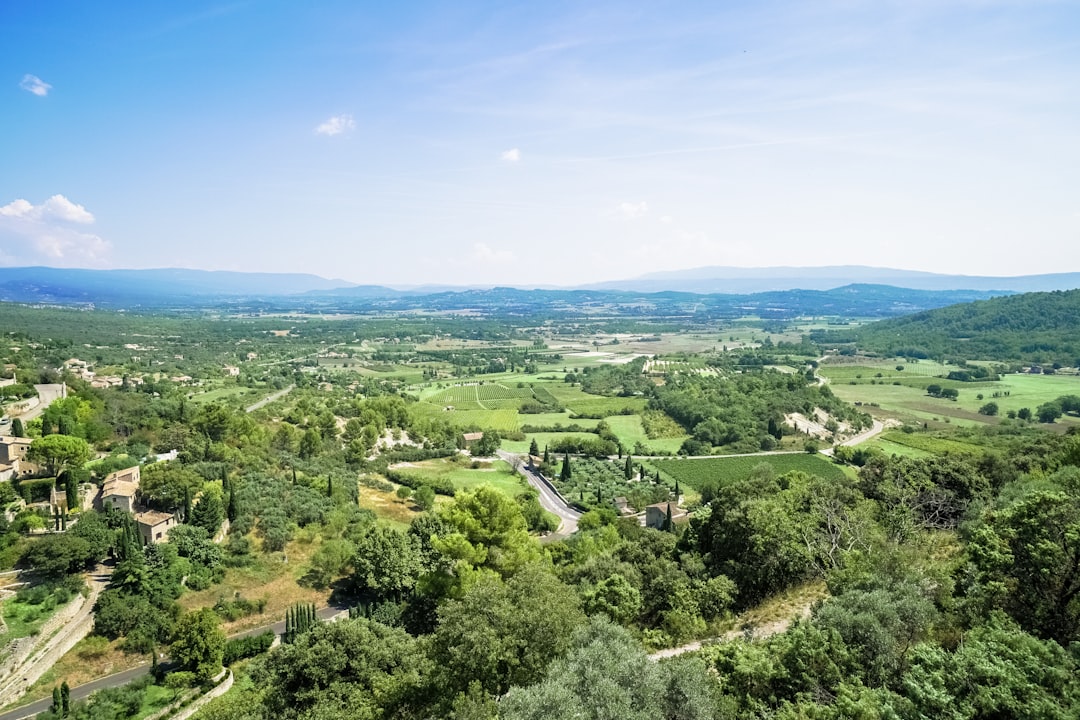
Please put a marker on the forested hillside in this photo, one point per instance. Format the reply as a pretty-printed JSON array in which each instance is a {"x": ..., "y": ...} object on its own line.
[{"x": 1035, "y": 327}]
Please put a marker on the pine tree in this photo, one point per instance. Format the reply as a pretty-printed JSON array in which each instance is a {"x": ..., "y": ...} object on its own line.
[{"x": 534, "y": 449}]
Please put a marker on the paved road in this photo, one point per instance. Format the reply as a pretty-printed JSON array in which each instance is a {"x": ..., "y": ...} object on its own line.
[
  {"x": 267, "y": 400},
  {"x": 568, "y": 516},
  {"x": 47, "y": 393},
  {"x": 81, "y": 692}
]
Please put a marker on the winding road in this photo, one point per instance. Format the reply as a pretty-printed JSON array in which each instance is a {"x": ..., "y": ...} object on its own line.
[
  {"x": 81, "y": 692},
  {"x": 549, "y": 499}
]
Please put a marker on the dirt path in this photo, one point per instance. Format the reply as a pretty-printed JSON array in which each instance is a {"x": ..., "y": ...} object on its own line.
[
  {"x": 758, "y": 632},
  {"x": 51, "y": 646},
  {"x": 267, "y": 400}
]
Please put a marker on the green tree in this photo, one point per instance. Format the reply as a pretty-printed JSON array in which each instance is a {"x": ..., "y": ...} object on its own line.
[
  {"x": 424, "y": 497},
  {"x": 387, "y": 563},
  {"x": 349, "y": 669},
  {"x": 17, "y": 428},
  {"x": 209, "y": 511},
  {"x": 1026, "y": 560},
  {"x": 165, "y": 484},
  {"x": 58, "y": 555},
  {"x": 566, "y": 472},
  {"x": 615, "y": 597},
  {"x": 504, "y": 634},
  {"x": 534, "y": 449},
  {"x": 310, "y": 444},
  {"x": 607, "y": 675},
  {"x": 59, "y": 452},
  {"x": 990, "y": 409},
  {"x": 198, "y": 643}
]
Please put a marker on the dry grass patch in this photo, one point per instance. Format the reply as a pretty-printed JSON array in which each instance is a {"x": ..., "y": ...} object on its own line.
[
  {"x": 92, "y": 657},
  {"x": 273, "y": 576},
  {"x": 778, "y": 612}
]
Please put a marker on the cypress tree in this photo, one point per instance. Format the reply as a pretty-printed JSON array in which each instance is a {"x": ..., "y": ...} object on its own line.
[
  {"x": 65, "y": 698},
  {"x": 71, "y": 490},
  {"x": 17, "y": 428},
  {"x": 628, "y": 467},
  {"x": 676, "y": 488},
  {"x": 534, "y": 449},
  {"x": 55, "y": 707},
  {"x": 329, "y": 486},
  {"x": 63, "y": 521},
  {"x": 668, "y": 526},
  {"x": 599, "y": 500},
  {"x": 547, "y": 456},
  {"x": 566, "y": 472},
  {"x": 187, "y": 505},
  {"x": 230, "y": 508}
]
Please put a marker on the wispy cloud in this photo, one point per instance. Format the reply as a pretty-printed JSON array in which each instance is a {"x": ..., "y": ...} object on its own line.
[
  {"x": 487, "y": 255},
  {"x": 34, "y": 84},
  {"x": 49, "y": 232},
  {"x": 512, "y": 155},
  {"x": 632, "y": 210},
  {"x": 336, "y": 125}
]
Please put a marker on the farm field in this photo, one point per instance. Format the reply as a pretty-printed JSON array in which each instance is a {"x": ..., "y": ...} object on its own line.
[
  {"x": 629, "y": 430},
  {"x": 1014, "y": 391},
  {"x": 694, "y": 472},
  {"x": 498, "y": 474},
  {"x": 928, "y": 444},
  {"x": 589, "y": 475},
  {"x": 542, "y": 440}
]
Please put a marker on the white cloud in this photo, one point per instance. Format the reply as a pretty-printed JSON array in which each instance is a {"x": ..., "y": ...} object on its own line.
[
  {"x": 34, "y": 84},
  {"x": 47, "y": 232},
  {"x": 512, "y": 155},
  {"x": 57, "y": 206},
  {"x": 336, "y": 125},
  {"x": 633, "y": 211},
  {"x": 484, "y": 253}
]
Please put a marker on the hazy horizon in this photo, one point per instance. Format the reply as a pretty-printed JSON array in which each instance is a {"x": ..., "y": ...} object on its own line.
[{"x": 485, "y": 144}]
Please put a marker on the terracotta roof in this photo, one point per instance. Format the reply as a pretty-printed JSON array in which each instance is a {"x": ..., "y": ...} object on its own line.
[
  {"x": 473, "y": 436},
  {"x": 152, "y": 518}
]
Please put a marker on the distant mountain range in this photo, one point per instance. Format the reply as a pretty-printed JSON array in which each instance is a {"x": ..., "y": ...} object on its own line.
[
  {"x": 752, "y": 280},
  {"x": 76, "y": 285},
  {"x": 67, "y": 285},
  {"x": 702, "y": 292}
]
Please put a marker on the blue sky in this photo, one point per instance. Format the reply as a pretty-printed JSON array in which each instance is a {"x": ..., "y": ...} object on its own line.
[{"x": 553, "y": 142}]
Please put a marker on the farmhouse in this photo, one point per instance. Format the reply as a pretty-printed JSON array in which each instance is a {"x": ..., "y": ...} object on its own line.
[
  {"x": 120, "y": 488},
  {"x": 13, "y": 449},
  {"x": 472, "y": 437},
  {"x": 154, "y": 526},
  {"x": 656, "y": 515}
]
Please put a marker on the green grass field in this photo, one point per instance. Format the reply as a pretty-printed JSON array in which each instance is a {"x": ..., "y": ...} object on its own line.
[
  {"x": 498, "y": 475},
  {"x": 914, "y": 405},
  {"x": 629, "y": 431},
  {"x": 694, "y": 472}
]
